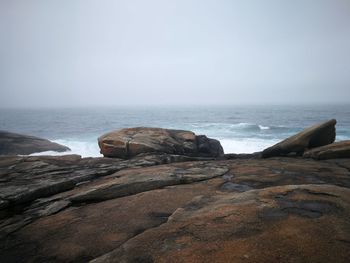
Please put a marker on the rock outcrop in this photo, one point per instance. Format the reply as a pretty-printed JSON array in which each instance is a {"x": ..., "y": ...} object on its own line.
[
  {"x": 276, "y": 224},
  {"x": 314, "y": 136},
  {"x": 331, "y": 151},
  {"x": 138, "y": 180},
  {"x": 127, "y": 143},
  {"x": 170, "y": 202},
  {"x": 152, "y": 208},
  {"x": 13, "y": 144}
]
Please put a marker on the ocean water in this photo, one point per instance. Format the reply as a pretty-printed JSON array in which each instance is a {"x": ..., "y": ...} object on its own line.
[{"x": 240, "y": 129}]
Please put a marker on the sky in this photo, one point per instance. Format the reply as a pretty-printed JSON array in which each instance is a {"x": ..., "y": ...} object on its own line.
[{"x": 182, "y": 52}]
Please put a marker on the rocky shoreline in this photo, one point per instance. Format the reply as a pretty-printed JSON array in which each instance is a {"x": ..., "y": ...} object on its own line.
[
  {"x": 19, "y": 144},
  {"x": 175, "y": 197}
]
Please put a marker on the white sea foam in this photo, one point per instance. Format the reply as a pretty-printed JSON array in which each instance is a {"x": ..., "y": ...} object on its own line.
[
  {"x": 83, "y": 148},
  {"x": 245, "y": 145},
  {"x": 264, "y": 127}
]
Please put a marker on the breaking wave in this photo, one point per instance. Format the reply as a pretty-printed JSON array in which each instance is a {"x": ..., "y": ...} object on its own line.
[
  {"x": 91, "y": 149},
  {"x": 248, "y": 145},
  {"x": 84, "y": 148}
]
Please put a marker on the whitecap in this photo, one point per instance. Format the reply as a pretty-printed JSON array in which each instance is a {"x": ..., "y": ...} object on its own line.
[
  {"x": 261, "y": 127},
  {"x": 84, "y": 148}
]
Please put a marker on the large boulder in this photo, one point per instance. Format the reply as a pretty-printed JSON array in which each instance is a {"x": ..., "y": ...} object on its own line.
[
  {"x": 14, "y": 143},
  {"x": 331, "y": 151},
  {"x": 317, "y": 135},
  {"x": 129, "y": 142}
]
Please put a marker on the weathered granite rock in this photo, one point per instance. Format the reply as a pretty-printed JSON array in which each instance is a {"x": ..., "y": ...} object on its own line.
[
  {"x": 13, "y": 144},
  {"x": 144, "y": 179},
  {"x": 127, "y": 143},
  {"x": 331, "y": 151},
  {"x": 26, "y": 178},
  {"x": 256, "y": 210},
  {"x": 305, "y": 223},
  {"x": 314, "y": 136}
]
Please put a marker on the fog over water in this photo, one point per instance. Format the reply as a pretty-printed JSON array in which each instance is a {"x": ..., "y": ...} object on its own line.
[{"x": 109, "y": 53}]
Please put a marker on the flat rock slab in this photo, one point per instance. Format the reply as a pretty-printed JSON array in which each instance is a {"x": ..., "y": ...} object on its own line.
[
  {"x": 82, "y": 233},
  {"x": 24, "y": 179},
  {"x": 262, "y": 173},
  {"x": 331, "y": 151},
  {"x": 139, "y": 180},
  {"x": 14, "y": 143},
  {"x": 118, "y": 201},
  {"x": 314, "y": 136},
  {"x": 306, "y": 223},
  {"x": 36, "y": 186},
  {"x": 127, "y": 143}
]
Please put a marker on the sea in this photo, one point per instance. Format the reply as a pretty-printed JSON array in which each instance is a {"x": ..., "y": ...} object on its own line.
[{"x": 240, "y": 129}]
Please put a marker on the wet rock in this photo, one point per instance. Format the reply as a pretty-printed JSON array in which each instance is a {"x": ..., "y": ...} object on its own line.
[
  {"x": 127, "y": 143},
  {"x": 229, "y": 186},
  {"x": 331, "y": 151},
  {"x": 314, "y": 136},
  {"x": 229, "y": 156},
  {"x": 14, "y": 144},
  {"x": 261, "y": 173}
]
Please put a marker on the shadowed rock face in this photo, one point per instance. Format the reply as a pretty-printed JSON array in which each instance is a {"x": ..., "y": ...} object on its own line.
[
  {"x": 130, "y": 142},
  {"x": 331, "y": 151},
  {"x": 314, "y": 136},
  {"x": 13, "y": 144},
  {"x": 147, "y": 209}
]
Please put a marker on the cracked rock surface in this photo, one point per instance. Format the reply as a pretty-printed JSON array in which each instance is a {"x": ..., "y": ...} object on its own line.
[{"x": 170, "y": 208}]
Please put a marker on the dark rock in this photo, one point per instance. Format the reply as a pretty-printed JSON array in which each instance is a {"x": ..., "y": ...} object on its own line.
[
  {"x": 331, "y": 151},
  {"x": 14, "y": 144},
  {"x": 127, "y": 143},
  {"x": 229, "y": 156},
  {"x": 208, "y": 147},
  {"x": 314, "y": 136},
  {"x": 229, "y": 186}
]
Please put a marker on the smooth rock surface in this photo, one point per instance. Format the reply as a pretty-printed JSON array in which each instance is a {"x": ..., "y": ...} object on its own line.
[
  {"x": 331, "y": 151},
  {"x": 14, "y": 144},
  {"x": 127, "y": 143},
  {"x": 148, "y": 209},
  {"x": 138, "y": 180},
  {"x": 305, "y": 223},
  {"x": 314, "y": 136}
]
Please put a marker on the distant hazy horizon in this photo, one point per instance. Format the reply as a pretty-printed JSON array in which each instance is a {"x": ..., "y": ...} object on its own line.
[
  {"x": 324, "y": 105},
  {"x": 242, "y": 129},
  {"x": 111, "y": 53}
]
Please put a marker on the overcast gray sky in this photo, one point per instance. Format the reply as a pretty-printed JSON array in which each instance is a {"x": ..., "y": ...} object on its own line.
[{"x": 102, "y": 52}]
